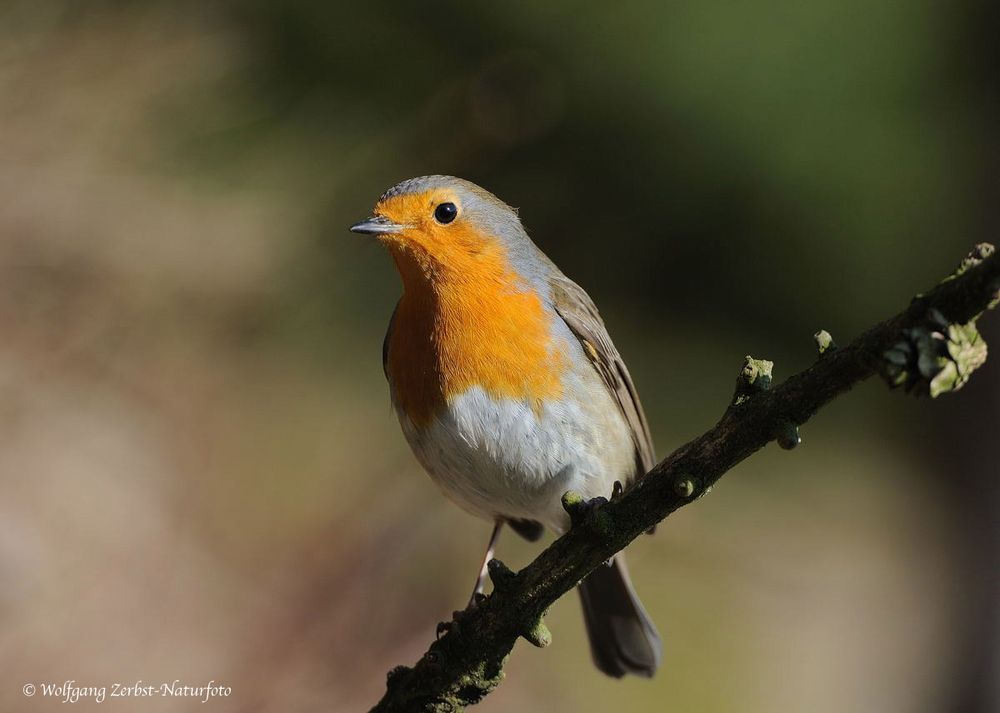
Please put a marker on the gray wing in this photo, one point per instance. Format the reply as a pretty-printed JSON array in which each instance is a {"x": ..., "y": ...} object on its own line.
[{"x": 581, "y": 316}]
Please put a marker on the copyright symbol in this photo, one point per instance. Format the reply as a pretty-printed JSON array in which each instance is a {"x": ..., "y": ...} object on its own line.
[{"x": 29, "y": 689}]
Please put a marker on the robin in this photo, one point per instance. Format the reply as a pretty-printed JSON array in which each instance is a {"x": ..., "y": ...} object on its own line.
[{"x": 508, "y": 387}]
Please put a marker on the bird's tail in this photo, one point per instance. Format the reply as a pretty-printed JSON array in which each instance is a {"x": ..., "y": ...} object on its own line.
[{"x": 622, "y": 637}]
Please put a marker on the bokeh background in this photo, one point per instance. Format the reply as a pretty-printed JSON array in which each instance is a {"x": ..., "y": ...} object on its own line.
[{"x": 200, "y": 475}]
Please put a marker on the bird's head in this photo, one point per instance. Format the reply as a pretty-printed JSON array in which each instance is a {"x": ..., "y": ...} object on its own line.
[{"x": 442, "y": 227}]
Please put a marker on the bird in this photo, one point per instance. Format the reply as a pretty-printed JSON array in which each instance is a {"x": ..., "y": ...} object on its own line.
[{"x": 509, "y": 389}]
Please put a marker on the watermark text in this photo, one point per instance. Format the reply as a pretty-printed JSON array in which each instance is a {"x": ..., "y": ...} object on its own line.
[{"x": 72, "y": 692}]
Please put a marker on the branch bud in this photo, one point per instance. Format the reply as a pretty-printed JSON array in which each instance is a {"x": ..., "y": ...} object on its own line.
[
  {"x": 788, "y": 435},
  {"x": 755, "y": 376},
  {"x": 824, "y": 342},
  {"x": 575, "y": 506},
  {"x": 538, "y": 634},
  {"x": 684, "y": 486}
]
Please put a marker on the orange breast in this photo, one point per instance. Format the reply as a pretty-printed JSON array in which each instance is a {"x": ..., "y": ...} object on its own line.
[{"x": 477, "y": 325}]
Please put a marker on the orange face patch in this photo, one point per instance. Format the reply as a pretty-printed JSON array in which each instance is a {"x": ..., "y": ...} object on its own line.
[
  {"x": 466, "y": 318},
  {"x": 432, "y": 244}
]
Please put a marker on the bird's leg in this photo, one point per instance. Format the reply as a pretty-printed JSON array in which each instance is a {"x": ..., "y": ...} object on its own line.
[
  {"x": 483, "y": 570},
  {"x": 477, "y": 593}
]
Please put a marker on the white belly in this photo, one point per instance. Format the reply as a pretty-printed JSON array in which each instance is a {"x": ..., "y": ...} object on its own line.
[{"x": 502, "y": 459}]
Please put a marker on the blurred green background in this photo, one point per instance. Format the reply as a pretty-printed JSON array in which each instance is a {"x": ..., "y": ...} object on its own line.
[{"x": 200, "y": 474}]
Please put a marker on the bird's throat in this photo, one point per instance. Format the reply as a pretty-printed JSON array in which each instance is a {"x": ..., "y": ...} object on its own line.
[{"x": 470, "y": 323}]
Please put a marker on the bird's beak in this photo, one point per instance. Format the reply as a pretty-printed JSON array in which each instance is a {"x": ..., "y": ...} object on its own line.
[{"x": 377, "y": 225}]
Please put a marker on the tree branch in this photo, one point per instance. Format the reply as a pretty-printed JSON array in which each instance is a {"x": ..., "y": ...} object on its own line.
[{"x": 930, "y": 347}]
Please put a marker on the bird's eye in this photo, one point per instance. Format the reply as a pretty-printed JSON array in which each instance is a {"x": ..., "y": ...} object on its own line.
[{"x": 445, "y": 213}]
